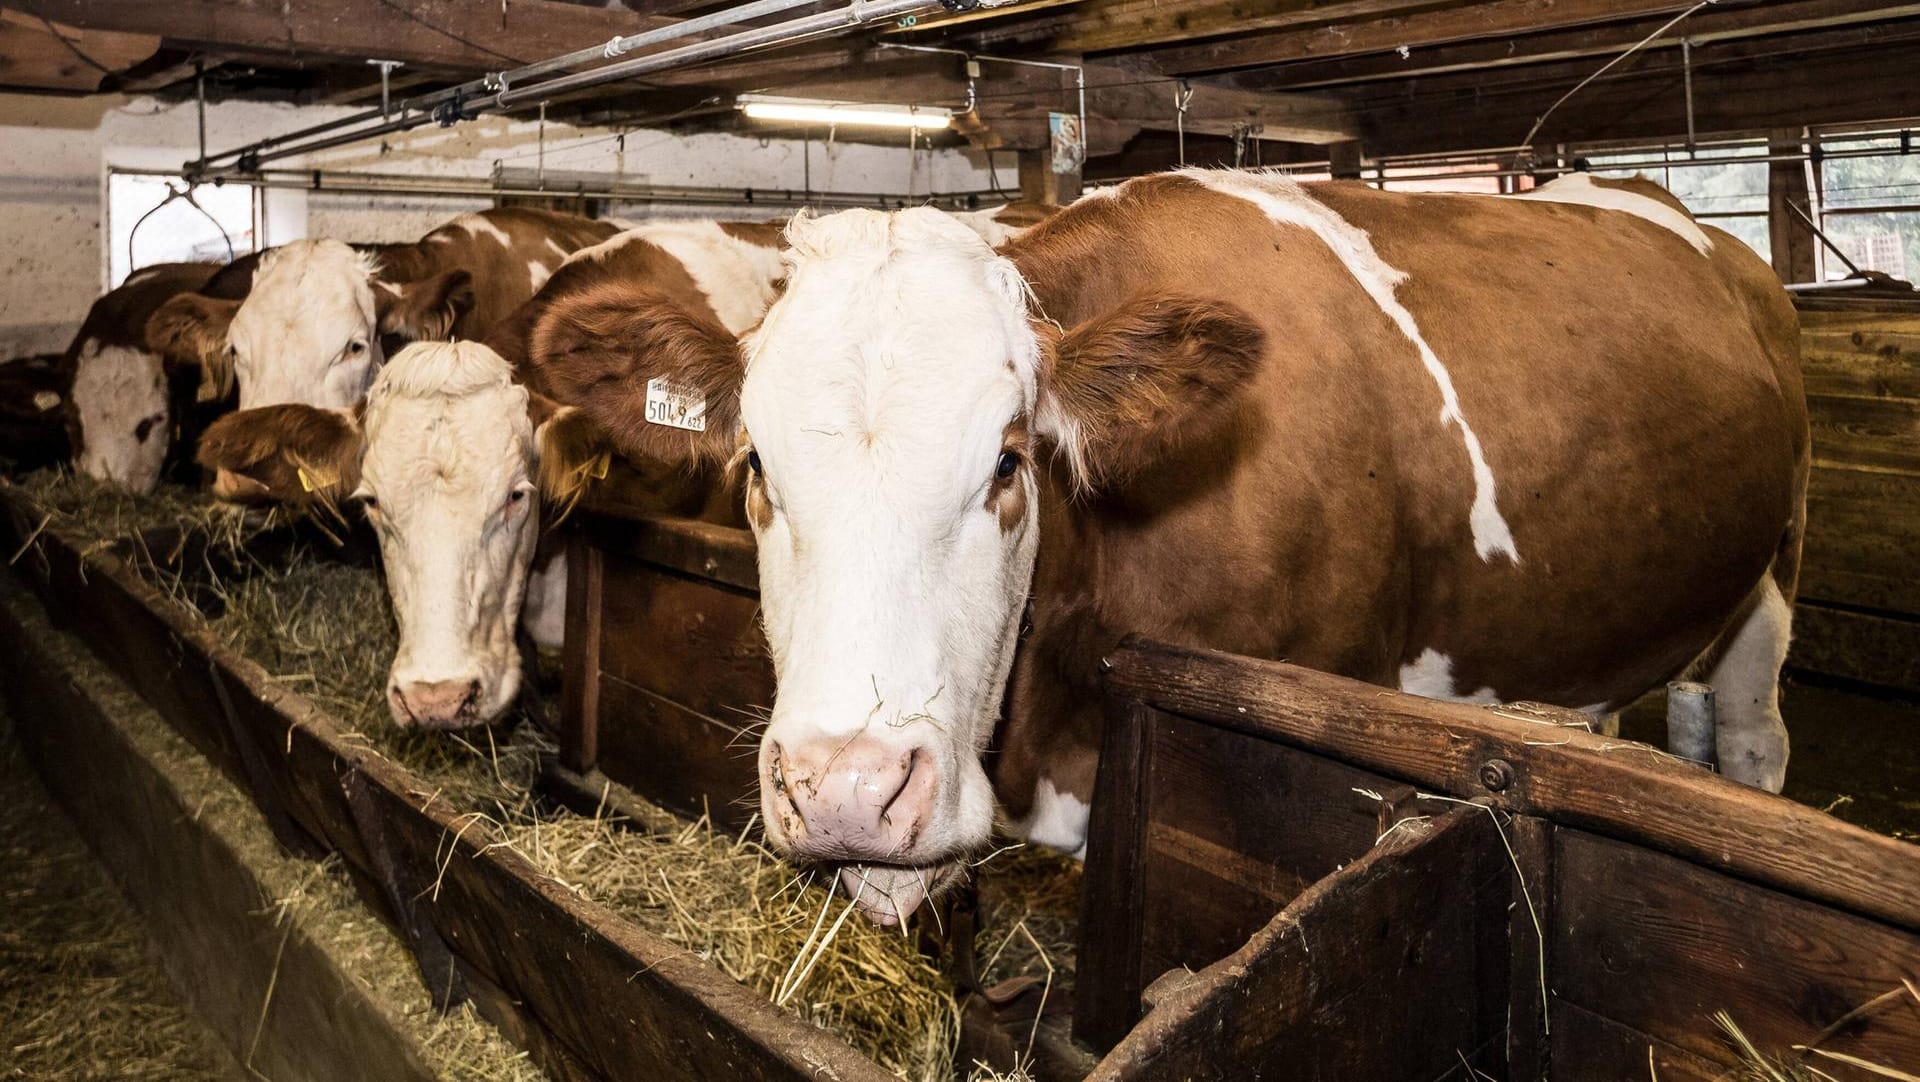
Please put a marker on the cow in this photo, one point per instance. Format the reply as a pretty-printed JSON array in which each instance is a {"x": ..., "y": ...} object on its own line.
[
  {"x": 451, "y": 460},
  {"x": 33, "y": 397},
  {"x": 1478, "y": 448},
  {"x": 118, "y": 410},
  {"x": 321, "y": 314}
]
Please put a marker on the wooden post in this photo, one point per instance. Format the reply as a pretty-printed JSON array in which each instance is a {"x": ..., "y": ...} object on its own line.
[
  {"x": 1040, "y": 184},
  {"x": 1345, "y": 159},
  {"x": 1792, "y": 242},
  {"x": 1106, "y": 1000}
]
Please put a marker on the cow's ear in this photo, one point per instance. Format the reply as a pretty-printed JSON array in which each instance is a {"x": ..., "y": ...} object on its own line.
[
  {"x": 574, "y": 453},
  {"x": 190, "y": 331},
  {"x": 292, "y": 454},
  {"x": 424, "y": 311},
  {"x": 662, "y": 383},
  {"x": 1122, "y": 390}
]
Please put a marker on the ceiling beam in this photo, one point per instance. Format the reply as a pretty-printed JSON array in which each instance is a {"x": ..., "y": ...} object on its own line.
[
  {"x": 1496, "y": 34},
  {"x": 459, "y": 35},
  {"x": 39, "y": 55},
  {"x": 1098, "y": 26}
]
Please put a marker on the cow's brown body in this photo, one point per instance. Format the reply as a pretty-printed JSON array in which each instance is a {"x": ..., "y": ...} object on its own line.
[{"x": 1639, "y": 403}]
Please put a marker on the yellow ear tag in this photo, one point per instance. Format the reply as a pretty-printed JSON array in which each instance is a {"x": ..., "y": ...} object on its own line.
[
  {"x": 600, "y": 467},
  {"x": 305, "y": 481}
]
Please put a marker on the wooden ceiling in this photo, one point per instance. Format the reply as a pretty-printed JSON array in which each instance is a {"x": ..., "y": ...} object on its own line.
[{"x": 1396, "y": 76}]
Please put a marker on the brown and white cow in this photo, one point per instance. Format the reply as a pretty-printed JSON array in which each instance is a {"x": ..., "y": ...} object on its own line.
[
  {"x": 118, "y": 410},
  {"x": 451, "y": 460},
  {"x": 321, "y": 314},
  {"x": 1488, "y": 449}
]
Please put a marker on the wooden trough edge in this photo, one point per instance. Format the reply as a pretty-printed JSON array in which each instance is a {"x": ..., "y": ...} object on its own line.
[
  {"x": 593, "y": 994},
  {"x": 1537, "y": 761}
]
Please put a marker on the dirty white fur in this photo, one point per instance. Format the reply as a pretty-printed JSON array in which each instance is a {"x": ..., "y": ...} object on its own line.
[
  {"x": 737, "y": 276},
  {"x": 479, "y": 226},
  {"x": 1751, "y": 736},
  {"x": 1284, "y": 200},
  {"x": 1579, "y": 188},
  {"x": 1058, "y": 820},
  {"x": 538, "y": 273},
  {"x": 115, "y": 388},
  {"x": 448, "y": 446},
  {"x": 988, "y": 224},
  {"x": 544, "y": 612},
  {"x": 877, "y": 392},
  {"x": 307, "y": 330},
  {"x": 1431, "y": 675}
]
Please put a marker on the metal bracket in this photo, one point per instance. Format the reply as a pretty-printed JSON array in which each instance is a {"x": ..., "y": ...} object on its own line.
[
  {"x": 960, "y": 5},
  {"x": 386, "y": 84}
]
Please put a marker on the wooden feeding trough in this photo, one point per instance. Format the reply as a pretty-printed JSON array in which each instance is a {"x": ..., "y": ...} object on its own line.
[{"x": 1306, "y": 877}]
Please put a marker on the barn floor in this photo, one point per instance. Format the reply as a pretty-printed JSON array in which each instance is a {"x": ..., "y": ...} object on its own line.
[
  {"x": 1855, "y": 754},
  {"x": 81, "y": 994}
]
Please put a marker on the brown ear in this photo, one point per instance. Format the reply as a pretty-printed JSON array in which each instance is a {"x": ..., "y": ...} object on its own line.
[
  {"x": 614, "y": 349},
  {"x": 1124, "y": 389},
  {"x": 190, "y": 331},
  {"x": 424, "y": 311},
  {"x": 292, "y": 454},
  {"x": 574, "y": 453}
]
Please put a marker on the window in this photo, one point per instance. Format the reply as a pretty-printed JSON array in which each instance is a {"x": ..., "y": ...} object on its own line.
[
  {"x": 1870, "y": 205},
  {"x": 175, "y": 232},
  {"x": 1728, "y": 195}
]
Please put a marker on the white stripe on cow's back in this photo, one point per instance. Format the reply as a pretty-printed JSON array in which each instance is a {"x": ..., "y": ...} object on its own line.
[
  {"x": 736, "y": 275},
  {"x": 478, "y": 225},
  {"x": 1579, "y": 189},
  {"x": 1284, "y": 200}
]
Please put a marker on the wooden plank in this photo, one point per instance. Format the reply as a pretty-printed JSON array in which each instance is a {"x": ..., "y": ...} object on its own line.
[
  {"x": 36, "y": 55},
  {"x": 1659, "y": 945},
  {"x": 1870, "y": 648},
  {"x": 456, "y": 34},
  {"x": 1577, "y": 778},
  {"x": 1529, "y": 1047},
  {"x": 688, "y": 762},
  {"x": 685, "y": 639},
  {"x": 1861, "y": 353},
  {"x": 1866, "y": 433},
  {"x": 1107, "y": 977},
  {"x": 1374, "y": 972},
  {"x": 1605, "y": 1049},
  {"x": 692, "y": 547},
  {"x": 1862, "y": 543}
]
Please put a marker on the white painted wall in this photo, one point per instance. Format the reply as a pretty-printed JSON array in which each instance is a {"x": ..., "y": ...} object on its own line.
[{"x": 55, "y": 154}]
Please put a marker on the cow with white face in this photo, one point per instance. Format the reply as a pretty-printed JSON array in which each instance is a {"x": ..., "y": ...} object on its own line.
[
  {"x": 1228, "y": 410},
  {"x": 321, "y": 314},
  {"x": 451, "y": 460}
]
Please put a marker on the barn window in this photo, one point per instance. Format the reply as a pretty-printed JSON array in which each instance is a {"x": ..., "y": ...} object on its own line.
[
  {"x": 1870, "y": 204},
  {"x": 177, "y": 231}
]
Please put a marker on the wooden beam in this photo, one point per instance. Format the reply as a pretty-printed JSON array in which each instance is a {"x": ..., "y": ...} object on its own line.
[
  {"x": 1463, "y": 39},
  {"x": 1794, "y": 259},
  {"x": 1040, "y": 184},
  {"x": 464, "y": 35},
  {"x": 1116, "y": 25},
  {"x": 40, "y": 55}
]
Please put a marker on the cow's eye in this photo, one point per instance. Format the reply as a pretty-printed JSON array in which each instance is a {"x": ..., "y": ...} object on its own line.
[
  {"x": 753, "y": 462},
  {"x": 517, "y": 496},
  {"x": 366, "y": 500},
  {"x": 1009, "y": 462},
  {"x": 355, "y": 349}
]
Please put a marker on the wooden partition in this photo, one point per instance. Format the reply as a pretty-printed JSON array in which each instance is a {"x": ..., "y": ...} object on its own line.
[
  {"x": 1615, "y": 898},
  {"x": 1858, "y": 615}
]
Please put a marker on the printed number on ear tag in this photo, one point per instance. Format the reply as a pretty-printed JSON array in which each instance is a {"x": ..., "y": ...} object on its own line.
[{"x": 674, "y": 406}]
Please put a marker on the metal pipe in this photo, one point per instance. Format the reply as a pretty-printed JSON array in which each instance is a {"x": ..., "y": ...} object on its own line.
[
  {"x": 494, "y": 82},
  {"x": 856, "y": 13}
]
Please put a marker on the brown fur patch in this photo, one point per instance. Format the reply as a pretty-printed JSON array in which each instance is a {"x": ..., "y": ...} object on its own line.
[
  {"x": 298, "y": 455},
  {"x": 1024, "y": 215},
  {"x": 191, "y": 331},
  {"x": 427, "y": 310},
  {"x": 764, "y": 234},
  {"x": 598, "y": 348},
  {"x": 1160, "y": 369}
]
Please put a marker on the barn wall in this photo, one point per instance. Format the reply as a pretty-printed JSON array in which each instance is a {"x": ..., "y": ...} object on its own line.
[{"x": 54, "y": 154}]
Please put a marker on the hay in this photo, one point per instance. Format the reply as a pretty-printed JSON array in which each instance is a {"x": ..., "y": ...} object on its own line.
[
  {"x": 104, "y": 513},
  {"x": 326, "y": 630},
  {"x": 80, "y": 995}
]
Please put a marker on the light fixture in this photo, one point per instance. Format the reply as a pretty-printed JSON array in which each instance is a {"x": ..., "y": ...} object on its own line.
[{"x": 865, "y": 114}]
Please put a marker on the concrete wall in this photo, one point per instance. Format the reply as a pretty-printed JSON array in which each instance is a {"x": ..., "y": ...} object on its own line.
[{"x": 55, "y": 154}]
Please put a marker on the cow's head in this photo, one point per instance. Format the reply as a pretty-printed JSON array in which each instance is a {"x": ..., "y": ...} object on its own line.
[
  {"x": 117, "y": 415},
  {"x": 450, "y": 460},
  {"x": 310, "y": 328},
  {"x": 897, "y": 405}
]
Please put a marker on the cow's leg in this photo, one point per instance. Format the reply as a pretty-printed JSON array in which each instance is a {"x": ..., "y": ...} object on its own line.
[{"x": 1752, "y": 737}]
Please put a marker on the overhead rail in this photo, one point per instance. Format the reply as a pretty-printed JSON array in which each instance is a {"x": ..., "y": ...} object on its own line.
[{"x": 531, "y": 83}]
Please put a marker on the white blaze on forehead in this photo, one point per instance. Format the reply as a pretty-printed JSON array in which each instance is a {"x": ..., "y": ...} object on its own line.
[
  {"x": 1431, "y": 675},
  {"x": 310, "y": 299},
  {"x": 1579, "y": 189},
  {"x": 736, "y": 275},
  {"x": 1283, "y": 199},
  {"x": 119, "y": 395}
]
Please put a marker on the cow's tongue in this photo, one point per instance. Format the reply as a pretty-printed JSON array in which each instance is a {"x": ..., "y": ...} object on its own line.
[{"x": 886, "y": 895}]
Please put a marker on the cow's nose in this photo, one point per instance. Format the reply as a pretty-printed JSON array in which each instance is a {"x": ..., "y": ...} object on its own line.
[
  {"x": 437, "y": 704},
  {"x": 858, "y": 799}
]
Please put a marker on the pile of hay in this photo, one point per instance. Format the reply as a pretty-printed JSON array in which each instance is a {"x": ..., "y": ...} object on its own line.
[{"x": 325, "y": 629}]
